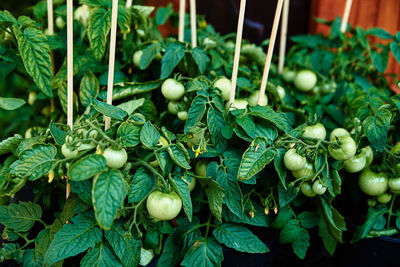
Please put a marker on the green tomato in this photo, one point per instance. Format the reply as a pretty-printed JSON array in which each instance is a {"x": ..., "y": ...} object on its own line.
[
  {"x": 192, "y": 184},
  {"x": 60, "y": 23},
  {"x": 318, "y": 188},
  {"x": 237, "y": 104},
  {"x": 253, "y": 99},
  {"x": 32, "y": 98},
  {"x": 163, "y": 206},
  {"x": 172, "y": 89},
  {"x": 307, "y": 171},
  {"x": 201, "y": 168},
  {"x": 384, "y": 198},
  {"x": 396, "y": 150},
  {"x": 182, "y": 115},
  {"x": 281, "y": 92},
  {"x": 306, "y": 189},
  {"x": 328, "y": 88},
  {"x": 316, "y": 132},
  {"x": 68, "y": 152},
  {"x": 355, "y": 163},
  {"x": 288, "y": 75},
  {"x": 81, "y": 13},
  {"x": 293, "y": 161},
  {"x": 146, "y": 256},
  {"x": 115, "y": 159},
  {"x": 394, "y": 184},
  {"x": 173, "y": 107},
  {"x": 369, "y": 155},
  {"x": 83, "y": 147},
  {"x": 338, "y": 132},
  {"x": 209, "y": 43},
  {"x": 224, "y": 84},
  {"x": 346, "y": 150},
  {"x": 305, "y": 80},
  {"x": 137, "y": 56},
  {"x": 373, "y": 184}
]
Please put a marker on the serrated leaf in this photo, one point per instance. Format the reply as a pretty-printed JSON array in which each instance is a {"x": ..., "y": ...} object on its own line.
[
  {"x": 99, "y": 27},
  {"x": 239, "y": 238},
  {"x": 63, "y": 98},
  {"x": 35, "y": 52},
  {"x": 20, "y": 217},
  {"x": 308, "y": 219},
  {"x": 163, "y": 13},
  {"x": 124, "y": 245},
  {"x": 108, "y": 194},
  {"x": 279, "y": 166},
  {"x": 215, "y": 195},
  {"x": 381, "y": 33},
  {"x": 380, "y": 60},
  {"x": 32, "y": 258},
  {"x": 196, "y": 112},
  {"x": 149, "y": 53},
  {"x": 395, "y": 48},
  {"x": 89, "y": 88},
  {"x": 72, "y": 239},
  {"x": 216, "y": 123},
  {"x": 109, "y": 110},
  {"x": 124, "y": 18},
  {"x": 233, "y": 194},
  {"x": 100, "y": 256},
  {"x": 278, "y": 120},
  {"x": 179, "y": 156},
  {"x": 58, "y": 135},
  {"x": 132, "y": 105},
  {"x": 173, "y": 55},
  {"x": 182, "y": 189},
  {"x": 35, "y": 162},
  {"x": 142, "y": 184},
  {"x": 205, "y": 253},
  {"x": 87, "y": 167},
  {"x": 200, "y": 58},
  {"x": 131, "y": 89},
  {"x": 10, "y": 144},
  {"x": 83, "y": 189},
  {"x": 149, "y": 135},
  {"x": 377, "y": 127},
  {"x": 301, "y": 244},
  {"x": 9, "y": 103},
  {"x": 129, "y": 134},
  {"x": 255, "y": 158}
]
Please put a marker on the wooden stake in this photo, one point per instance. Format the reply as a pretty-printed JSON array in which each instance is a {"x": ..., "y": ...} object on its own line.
[
  {"x": 50, "y": 17},
  {"x": 128, "y": 3},
  {"x": 111, "y": 60},
  {"x": 70, "y": 72},
  {"x": 270, "y": 50},
  {"x": 181, "y": 32},
  {"x": 193, "y": 22},
  {"x": 237, "y": 51},
  {"x": 282, "y": 43},
  {"x": 346, "y": 15}
]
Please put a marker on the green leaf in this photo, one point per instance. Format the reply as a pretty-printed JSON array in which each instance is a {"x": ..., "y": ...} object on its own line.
[
  {"x": 286, "y": 196},
  {"x": 87, "y": 167},
  {"x": 233, "y": 194},
  {"x": 373, "y": 216},
  {"x": 377, "y": 127},
  {"x": 10, "y": 144},
  {"x": 182, "y": 189},
  {"x": 334, "y": 221},
  {"x": 32, "y": 258},
  {"x": 35, "y": 162},
  {"x": 100, "y": 256},
  {"x": 239, "y": 238},
  {"x": 131, "y": 89},
  {"x": 149, "y": 53},
  {"x": 109, "y": 110},
  {"x": 301, "y": 244},
  {"x": 99, "y": 27},
  {"x": 280, "y": 166},
  {"x": 200, "y": 58},
  {"x": 58, "y": 135},
  {"x": 289, "y": 232},
  {"x": 180, "y": 156},
  {"x": 279, "y": 120},
  {"x": 73, "y": 205},
  {"x": 395, "y": 48},
  {"x": 216, "y": 123},
  {"x": 132, "y": 105},
  {"x": 196, "y": 112},
  {"x": 163, "y": 13},
  {"x": 284, "y": 215},
  {"x": 108, "y": 194},
  {"x": 63, "y": 98},
  {"x": 308, "y": 219},
  {"x": 7, "y": 18},
  {"x": 381, "y": 33},
  {"x": 83, "y": 189},
  {"x": 96, "y": 3},
  {"x": 173, "y": 55},
  {"x": 124, "y": 18},
  {"x": 124, "y": 245},
  {"x": 72, "y": 239},
  {"x": 215, "y": 194},
  {"x": 149, "y": 135},
  {"x": 20, "y": 217},
  {"x": 142, "y": 184},
  {"x": 9, "y": 103},
  {"x": 247, "y": 125},
  {"x": 35, "y": 53},
  {"x": 255, "y": 158},
  {"x": 89, "y": 88},
  {"x": 327, "y": 239},
  {"x": 380, "y": 60},
  {"x": 205, "y": 253},
  {"x": 129, "y": 134}
]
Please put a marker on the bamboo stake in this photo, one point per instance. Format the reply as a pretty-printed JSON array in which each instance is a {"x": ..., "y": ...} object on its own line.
[
  {"x": 181, "y": 32},
  {"x": 346, "y": 15},
  {"x": 193, "y": 22},
  {"x": 282, "y": 43},
  {"x": 237, "y": 51},
  {"x": 70, "y": 72},
  {"x": 128, "y": 3},
  {"x": 111, "y": 61},
  {"x": 50, "y": 17},
  {"x": 270, "y": 50}
]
